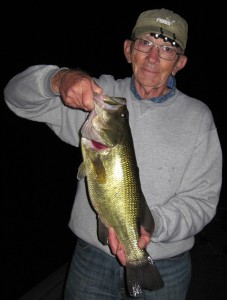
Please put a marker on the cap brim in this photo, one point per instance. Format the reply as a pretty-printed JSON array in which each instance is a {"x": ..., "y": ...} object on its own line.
[{"x": 137, "y": 32}]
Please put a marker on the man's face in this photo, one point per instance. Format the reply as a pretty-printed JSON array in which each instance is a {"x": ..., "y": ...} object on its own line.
[{"x": 151, "y": 70}]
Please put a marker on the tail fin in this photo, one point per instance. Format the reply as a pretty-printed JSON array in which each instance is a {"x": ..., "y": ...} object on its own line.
[{"x": 143, "y": 276}]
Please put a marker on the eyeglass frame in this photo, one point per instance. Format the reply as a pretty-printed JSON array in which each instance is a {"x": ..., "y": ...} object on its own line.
[{"x": 158, "y": 47}]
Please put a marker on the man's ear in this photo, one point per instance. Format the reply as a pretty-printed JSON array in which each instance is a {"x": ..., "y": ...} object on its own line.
[
  {"x": 127, "y": 50},
  {"x": 180, "y": 64}
]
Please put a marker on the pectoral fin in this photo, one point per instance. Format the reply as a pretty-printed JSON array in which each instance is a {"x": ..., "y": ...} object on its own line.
[
  {"x": 99, "y": 170},
  {"x": 81, "y": 171}
]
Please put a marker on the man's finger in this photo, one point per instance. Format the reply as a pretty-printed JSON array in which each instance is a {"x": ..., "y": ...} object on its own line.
[
  {"x": 142, "y": 243},
  {"x": 121, "y": 256},
  {"x": 112, "y": 241}
]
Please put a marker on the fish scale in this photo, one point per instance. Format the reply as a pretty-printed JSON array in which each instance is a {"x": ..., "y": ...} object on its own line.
[{"x": 112, "y": 176}]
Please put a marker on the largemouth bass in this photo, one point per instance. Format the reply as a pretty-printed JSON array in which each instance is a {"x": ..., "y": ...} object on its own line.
[{"x": 110, "y": 167}]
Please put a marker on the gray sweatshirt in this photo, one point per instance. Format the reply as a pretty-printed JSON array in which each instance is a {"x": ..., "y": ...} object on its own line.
[{"x": 177, "y": 149}]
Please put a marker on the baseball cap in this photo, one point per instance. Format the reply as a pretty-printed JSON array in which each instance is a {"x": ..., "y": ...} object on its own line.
[{"x": 163, "y": 23}]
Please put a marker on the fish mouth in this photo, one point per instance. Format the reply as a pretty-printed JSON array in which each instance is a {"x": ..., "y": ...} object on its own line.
[
  {"x": 95, "y": 144},
  {"x": 98, "y": 145}
]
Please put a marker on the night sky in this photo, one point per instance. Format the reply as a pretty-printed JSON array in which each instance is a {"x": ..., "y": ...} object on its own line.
[{"x": 39, "y": 171}]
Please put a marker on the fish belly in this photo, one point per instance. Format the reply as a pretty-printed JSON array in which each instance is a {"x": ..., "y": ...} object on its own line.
[{"x": 116, "y": 196}]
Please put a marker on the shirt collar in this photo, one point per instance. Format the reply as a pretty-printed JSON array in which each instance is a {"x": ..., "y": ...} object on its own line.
[{"x": 171, "y": 84}]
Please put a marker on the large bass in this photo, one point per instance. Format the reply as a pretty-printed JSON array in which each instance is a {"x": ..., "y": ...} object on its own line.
[{"x": 110, "y": 167}]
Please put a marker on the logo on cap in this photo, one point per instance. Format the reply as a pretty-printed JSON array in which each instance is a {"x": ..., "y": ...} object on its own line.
[{"x": 167, "y": 21}]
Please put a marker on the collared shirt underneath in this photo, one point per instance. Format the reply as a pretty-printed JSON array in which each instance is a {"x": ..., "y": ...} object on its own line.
[{"x": 171, "y": 84}]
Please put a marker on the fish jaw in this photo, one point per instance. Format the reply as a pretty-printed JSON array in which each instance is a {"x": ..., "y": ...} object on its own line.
[
  {"x": 106, "y": 102},
  {"x": 107, "y": 121},
  {"x": 89, "y": 131}
]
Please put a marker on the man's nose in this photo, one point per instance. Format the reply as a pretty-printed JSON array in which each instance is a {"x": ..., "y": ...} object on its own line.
[{"x": 154, "y": 53}]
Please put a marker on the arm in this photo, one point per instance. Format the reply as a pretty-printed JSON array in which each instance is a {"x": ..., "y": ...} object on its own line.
[
  {"x": 45, "y": 93},
  {"x": 40, "y": 83},
  {"x": 195, "y": 201}
]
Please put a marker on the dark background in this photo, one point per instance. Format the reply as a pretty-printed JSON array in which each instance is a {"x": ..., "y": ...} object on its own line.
[{"x": 38, "y": 170}]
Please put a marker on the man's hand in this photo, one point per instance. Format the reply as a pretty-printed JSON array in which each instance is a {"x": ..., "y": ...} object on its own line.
[
  {"x": 118, "y": 249},
  {"x": 76, "y": 88}
]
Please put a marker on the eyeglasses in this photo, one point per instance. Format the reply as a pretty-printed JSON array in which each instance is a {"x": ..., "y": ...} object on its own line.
[{"x": 164, "y": 51}]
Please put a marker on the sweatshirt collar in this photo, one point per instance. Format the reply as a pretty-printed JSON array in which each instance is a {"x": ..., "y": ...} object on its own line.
[{"x": 171, "y": 84}]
